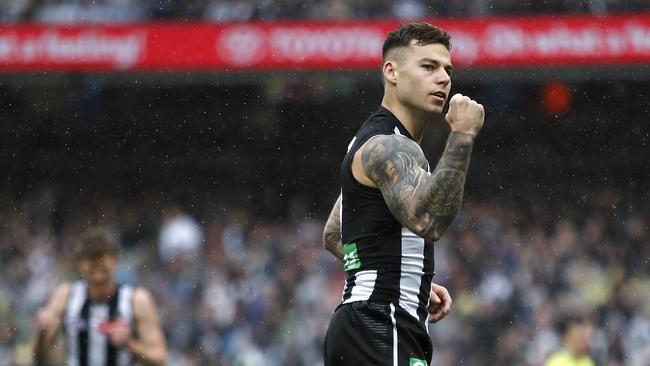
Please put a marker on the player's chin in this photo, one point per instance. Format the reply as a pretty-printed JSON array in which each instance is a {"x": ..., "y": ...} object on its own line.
[{"x": 434, "y": 107}]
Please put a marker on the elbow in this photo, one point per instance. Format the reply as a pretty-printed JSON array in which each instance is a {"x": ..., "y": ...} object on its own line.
[
  {"x": 438, "y": 227},
  {"x": 433, "y": 236},
  {"x": 155, "y": 357},
  {"x": 429, "y": 234},
  {"x": 425, "y": 228},
  {"x": 161, "y": 358},
  {"x": 421, "y": 231},
  {"x": 158, "y": 361},
  {"x": 418, "y": 225}
]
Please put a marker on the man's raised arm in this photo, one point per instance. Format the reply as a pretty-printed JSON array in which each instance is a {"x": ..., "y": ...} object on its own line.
[{"x": 425, "y": 204}]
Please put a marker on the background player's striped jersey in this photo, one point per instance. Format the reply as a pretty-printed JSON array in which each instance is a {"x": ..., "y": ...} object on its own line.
[{"x": 87, "y": 345}]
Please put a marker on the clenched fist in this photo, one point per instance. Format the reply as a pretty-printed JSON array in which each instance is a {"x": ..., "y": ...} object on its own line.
[{"x": 465, "y": 115}]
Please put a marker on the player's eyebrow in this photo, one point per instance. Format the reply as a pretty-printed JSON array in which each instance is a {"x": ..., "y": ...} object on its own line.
[{"x": 449, "y": 67}]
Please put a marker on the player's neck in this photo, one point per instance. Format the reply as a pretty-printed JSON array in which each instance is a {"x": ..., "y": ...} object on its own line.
[
  {"x": 574, "y": 351},
  {"x": 414, "y": 122},
  {"x": 101, "y": 293}
]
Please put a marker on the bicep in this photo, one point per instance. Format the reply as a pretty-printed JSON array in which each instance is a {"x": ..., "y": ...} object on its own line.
[
  {"x": 332, "y": 231},
  {"x": 57, "y": 303},
  {"x": 50, "y": 316},
  {"x": 396, "y": 165},
  {"x": 146, "y": 317},
  {"x": 334, "y": 219}
]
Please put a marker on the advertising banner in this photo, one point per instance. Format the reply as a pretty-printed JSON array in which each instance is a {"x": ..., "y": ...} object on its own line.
[{"x": 301, "y": 45}]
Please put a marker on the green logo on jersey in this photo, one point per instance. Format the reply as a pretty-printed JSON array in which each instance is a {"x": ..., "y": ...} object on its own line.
[
  {"x": 417, "y": 362},
  {"x": 350, "y": 257}
]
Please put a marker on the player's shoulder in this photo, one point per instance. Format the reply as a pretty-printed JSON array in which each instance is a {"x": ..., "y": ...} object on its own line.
[
  {"x": 59, "y": 297},
  {"x": 385, "y": 146},
  {"x": 142, "y": 294},
  {"x": 142, "y": 300},
  {"x": 381, "y": 121},
  {"x": 62, "y": 290}
]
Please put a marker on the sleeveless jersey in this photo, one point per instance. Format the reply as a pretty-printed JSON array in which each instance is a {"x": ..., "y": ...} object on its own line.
[
  {"x": 383, "y": 260},
  {"x": 87, "y": 345}
]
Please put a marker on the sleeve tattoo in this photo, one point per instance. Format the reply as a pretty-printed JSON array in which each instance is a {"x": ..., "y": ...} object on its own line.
[
  {"x": 332, "y": 232},
  {"x": 426, "y": 204}
]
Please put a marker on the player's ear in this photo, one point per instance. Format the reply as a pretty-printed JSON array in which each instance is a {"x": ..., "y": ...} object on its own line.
[{"x": 389, "y": 70}]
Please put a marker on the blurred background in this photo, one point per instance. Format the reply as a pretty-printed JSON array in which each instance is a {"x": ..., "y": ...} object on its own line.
[{"x": 216, "y": 163}]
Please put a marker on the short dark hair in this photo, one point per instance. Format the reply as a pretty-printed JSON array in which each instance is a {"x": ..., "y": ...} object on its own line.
[
  {"x": 423, "y": 33},
  {"x": 95, "y": 243},
  {"x": 566, "y": 321}
]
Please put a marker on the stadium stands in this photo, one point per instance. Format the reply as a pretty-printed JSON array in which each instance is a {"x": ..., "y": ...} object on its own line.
[{"x": 237, "y": 10}]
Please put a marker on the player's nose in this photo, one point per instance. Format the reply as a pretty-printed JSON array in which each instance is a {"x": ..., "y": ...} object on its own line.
[{"x": 443, "y": 77}]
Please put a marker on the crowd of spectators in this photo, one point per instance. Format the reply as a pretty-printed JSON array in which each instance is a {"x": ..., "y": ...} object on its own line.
[
  {"x": 236, "y": 290},
  {"x": 218, "y": 197},
  {"x": 238, "y": 10}
]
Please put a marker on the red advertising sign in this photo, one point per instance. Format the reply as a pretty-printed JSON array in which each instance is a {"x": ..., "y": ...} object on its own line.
[{"x": 477, "y": 42}]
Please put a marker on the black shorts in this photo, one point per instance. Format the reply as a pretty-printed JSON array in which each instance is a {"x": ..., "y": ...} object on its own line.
[{"x": 371, "y": 333}]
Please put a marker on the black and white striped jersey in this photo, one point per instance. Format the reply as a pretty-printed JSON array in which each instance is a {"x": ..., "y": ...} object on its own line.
[
  {"x": 87, "y": 345},
  {"x": 383, "y": 260}
]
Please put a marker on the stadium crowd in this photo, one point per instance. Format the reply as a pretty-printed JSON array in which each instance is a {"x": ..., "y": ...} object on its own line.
[
  {"x": 235, "y": 290},
  {"x": 237, "y": 10},
  {"x": 222, "y": 220}
]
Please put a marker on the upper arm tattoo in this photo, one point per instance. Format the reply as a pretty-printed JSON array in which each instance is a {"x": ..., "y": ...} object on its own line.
[
  {"x": 426, "y": 204},
  {"x": 332, "y": 231}
]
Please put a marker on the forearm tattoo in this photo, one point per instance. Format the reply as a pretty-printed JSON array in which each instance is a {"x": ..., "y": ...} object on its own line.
[
  {"x": 332, "y": 232},
  {"x": 426, "y": 204}
]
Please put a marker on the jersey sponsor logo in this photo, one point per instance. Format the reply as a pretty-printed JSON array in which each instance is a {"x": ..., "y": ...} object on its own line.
[
  {"x": 417, "y": 362},
  {"x": 351, "y": 257},
  {"x": 228, "y": 45}
]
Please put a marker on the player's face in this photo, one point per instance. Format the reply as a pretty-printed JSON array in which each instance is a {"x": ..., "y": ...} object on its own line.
[
  {"x": 424, "y": 77},
  {"x": 98, "y": 272},
  {"x": 580, "y": 337}
]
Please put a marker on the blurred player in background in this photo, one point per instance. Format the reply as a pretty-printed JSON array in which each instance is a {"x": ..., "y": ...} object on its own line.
[
  {"x": 104, "y": 322},
  {"x": 392, "y": 208},
  {"x": 576, "y": 334}
]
